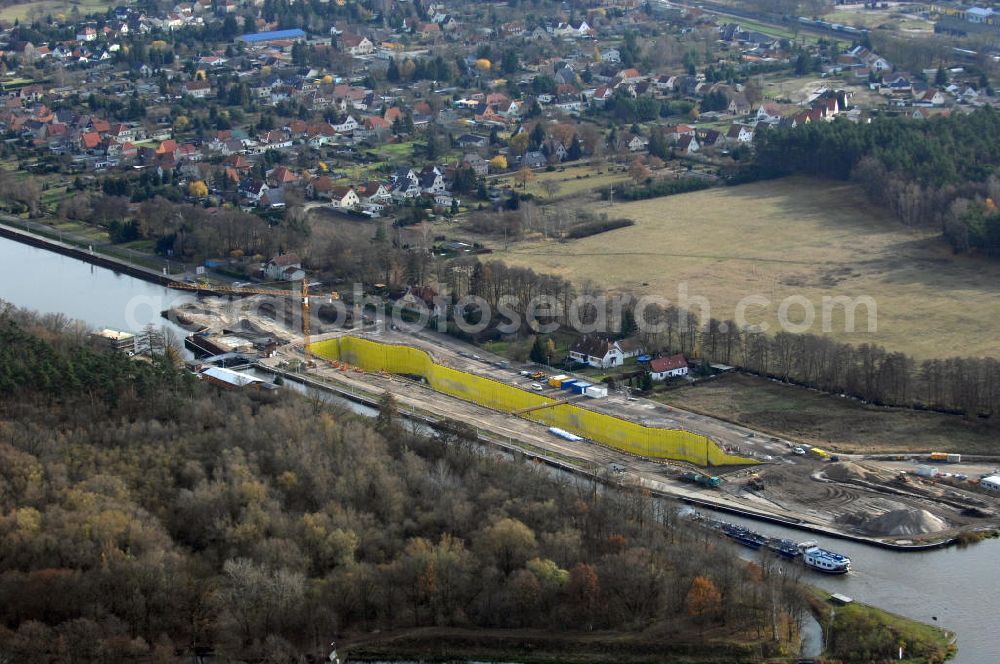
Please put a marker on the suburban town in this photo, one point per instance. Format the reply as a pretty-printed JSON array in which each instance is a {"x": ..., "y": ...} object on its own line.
[{"x": 519, "y": 330}]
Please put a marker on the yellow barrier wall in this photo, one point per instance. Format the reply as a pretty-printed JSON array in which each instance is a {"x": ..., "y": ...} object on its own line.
[{"x": 602, "y": 428}]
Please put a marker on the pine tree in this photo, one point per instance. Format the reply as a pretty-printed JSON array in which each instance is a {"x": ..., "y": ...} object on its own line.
[
  {"x": 941, "y": 77},
  {"x": 539, "y": 351},
  {"x": 575, "y": 149},
  {"x": 392, "y": 73},
  {"x": 388, "y": 414}
]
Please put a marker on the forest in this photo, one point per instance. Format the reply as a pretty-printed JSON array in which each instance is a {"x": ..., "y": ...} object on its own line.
[
  {"x": 145, "y": 515},
  {"x": 943, "y": 172}
]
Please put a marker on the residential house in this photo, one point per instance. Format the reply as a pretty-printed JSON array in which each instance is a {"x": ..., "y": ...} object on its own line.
[
  {"x": 932, "y": 97},
  {"x": 534, "y": 159},
  {"x": 371, "y": 193},
  {"x": 675, "y": 133},
  {"x": 979, "y": 14},
  {"x": 630, "y": 347},
  {"x": 472, "y": 141},
  {"x": 478, "y": 165},
  {"x": 739, "y": 134},
  {"x": 344, "y": 198},
  {"x": 273, "y": 198},
  {"x": 602, "y": 95},
  {"x": 432, "y": 181},
  {"x": 597, "y": 352},
  {"x": 578, "y": 31},
  {"x": 280, "y": 176},
  {"x": 252, "y": 189},
  {"x": 673, "y": 366},
  {"x": 198, "y": 89},
  {"x": 630, "y": 75},
  {"x": 739, "y": 104},
  {"x": 347, "y": 126},
  {"x": 708, "y": 138},
  {"x": 446, "y": 200},
  {"x": 638, "y": 144},
  {"x": 687, "y": 145},
  {"x": 769, "y": 113},
  {"x": 278, "y": 267},
  {"x": 356, "y": 45},
  {"x": 320, "y": 187}
]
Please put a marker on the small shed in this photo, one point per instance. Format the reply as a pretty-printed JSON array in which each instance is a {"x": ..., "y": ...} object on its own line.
[
  {"x": 597, "y": 392},
  {"x": 991, "y": 483}
]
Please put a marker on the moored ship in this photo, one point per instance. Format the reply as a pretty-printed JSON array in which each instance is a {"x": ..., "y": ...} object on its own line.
[{"x": 823, "y": 560}]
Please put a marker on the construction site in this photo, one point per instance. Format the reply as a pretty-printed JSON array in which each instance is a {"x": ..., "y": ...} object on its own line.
[{"x": 900, "y": 501}]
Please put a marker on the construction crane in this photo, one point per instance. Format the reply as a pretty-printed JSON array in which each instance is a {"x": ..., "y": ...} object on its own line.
[
  {"x": 305, "y": 318},
  {"x": 209, "y": 289}
]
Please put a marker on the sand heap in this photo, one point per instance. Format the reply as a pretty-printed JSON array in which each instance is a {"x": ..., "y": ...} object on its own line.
[
  {"x": 905, "y": 522},
  {"x": 843, "y": 471}
]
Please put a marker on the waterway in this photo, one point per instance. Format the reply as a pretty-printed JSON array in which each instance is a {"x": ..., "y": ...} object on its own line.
[
  {"x": 954, "y": 588},
  {"x": 52, "y": 283}
]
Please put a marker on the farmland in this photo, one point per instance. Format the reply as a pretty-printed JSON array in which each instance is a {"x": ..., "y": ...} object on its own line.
[
  {"x": 830, "y": 421},
  {"x": 792, "y": 237},
  {"x": 42, "y": 8}
]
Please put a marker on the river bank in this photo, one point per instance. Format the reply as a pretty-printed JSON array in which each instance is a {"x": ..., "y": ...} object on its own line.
[
  {"x": 370, "y": 398},
  {"x": 88, "y": 255},
  {"x": 943, "y": 586}
]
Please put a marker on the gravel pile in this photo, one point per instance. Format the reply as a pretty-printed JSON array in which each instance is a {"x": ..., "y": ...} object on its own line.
[
  {"x": 842, "y": 471},
  {"x": 905, "y": 522}
]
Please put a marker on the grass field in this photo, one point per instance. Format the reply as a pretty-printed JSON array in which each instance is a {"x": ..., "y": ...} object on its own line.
[
  {"x": 830, "y": 421},
  {"x": 867, "y": 18},
  {"x": 792, "y": 237},
  {"x": 42, "y": 8},
  {"x": 572, "y": 181},
  {"x": 884, "y": 632}
]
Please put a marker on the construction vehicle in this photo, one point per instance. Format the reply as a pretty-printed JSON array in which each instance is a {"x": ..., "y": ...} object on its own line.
[{"x": 710, "y": 481}]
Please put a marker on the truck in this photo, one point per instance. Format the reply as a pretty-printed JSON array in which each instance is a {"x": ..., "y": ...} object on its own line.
[
  {"x": 710, "y": 481},
  {"x": 556, "y": 381},
  {"x": 944, "y": 457},
  {"x": 822, "y": 454}
]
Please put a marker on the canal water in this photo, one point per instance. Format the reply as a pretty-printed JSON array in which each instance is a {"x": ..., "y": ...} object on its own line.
[
  {"x": 954, "y": 588},
  {"x": 52, "y": 283}
]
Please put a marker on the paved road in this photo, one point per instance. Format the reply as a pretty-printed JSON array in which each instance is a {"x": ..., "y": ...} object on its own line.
[{"x": 105, "y": 248}]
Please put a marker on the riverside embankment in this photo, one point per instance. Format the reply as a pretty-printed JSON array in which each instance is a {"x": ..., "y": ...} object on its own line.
[{"x": 949, "y": 587}]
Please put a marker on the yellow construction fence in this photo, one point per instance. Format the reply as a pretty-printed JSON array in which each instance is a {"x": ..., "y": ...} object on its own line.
[{"x": 601, "y": 428}]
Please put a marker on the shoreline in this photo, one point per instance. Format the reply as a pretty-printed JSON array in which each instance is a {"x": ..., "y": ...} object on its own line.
[
  {"x": 372, "y": 401},
  {"x": 116, "y": 265},
  {"x": 73, "y": 251}
]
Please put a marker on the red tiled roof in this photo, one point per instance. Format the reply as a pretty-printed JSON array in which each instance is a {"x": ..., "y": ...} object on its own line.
[{"x": 661, "y": 364}]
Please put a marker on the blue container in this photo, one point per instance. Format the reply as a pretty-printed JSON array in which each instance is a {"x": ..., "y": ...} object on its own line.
[
  {"x": 580, "y": 388},
  {"x": 567, "y": 384}
]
